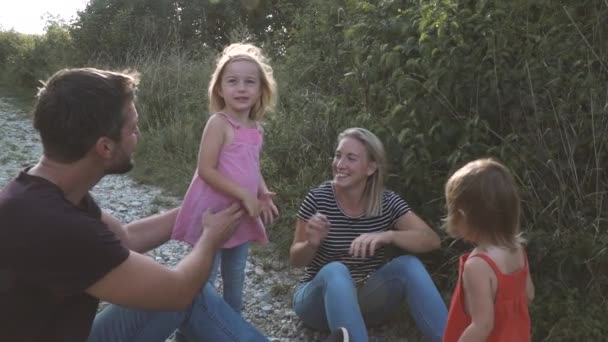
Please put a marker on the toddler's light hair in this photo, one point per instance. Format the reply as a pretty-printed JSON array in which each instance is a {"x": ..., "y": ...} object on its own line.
[{"x": 484, "y": 194}]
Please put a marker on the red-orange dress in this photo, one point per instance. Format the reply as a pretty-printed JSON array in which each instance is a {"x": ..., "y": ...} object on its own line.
[{"x": 511, "y": 317}]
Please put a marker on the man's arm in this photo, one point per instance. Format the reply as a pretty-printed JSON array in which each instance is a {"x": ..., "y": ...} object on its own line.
[
  {"x": 141, "y": 283},
  {"x": 144, "y": 234}
]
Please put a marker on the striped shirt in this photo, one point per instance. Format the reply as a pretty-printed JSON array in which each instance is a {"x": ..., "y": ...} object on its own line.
[{"x": 344, "y": 229}]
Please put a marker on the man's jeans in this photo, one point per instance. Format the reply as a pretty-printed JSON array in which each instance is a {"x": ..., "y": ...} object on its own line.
[
  {"x": 331, "y": 299},
  {"x": 209, "y": 318}
]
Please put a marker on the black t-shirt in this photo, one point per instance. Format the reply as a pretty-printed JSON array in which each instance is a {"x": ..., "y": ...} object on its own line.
[{"x": 50, "y": 252}]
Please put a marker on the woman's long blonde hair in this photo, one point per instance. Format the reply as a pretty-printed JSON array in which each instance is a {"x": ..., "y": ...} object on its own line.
[
  {"x": 374, "y": 186},
  {"x": 244, "y": 52}
]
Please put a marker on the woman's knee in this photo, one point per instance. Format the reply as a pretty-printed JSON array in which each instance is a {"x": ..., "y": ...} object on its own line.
[
  {"x": 336, "y": 273},
  {"x": 409, "y": 265},
  {"x": 335, "y": 268},
  {"x": 408, "y": 261}
]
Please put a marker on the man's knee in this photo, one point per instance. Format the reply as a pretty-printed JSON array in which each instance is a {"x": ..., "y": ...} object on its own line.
[{"x": 206, "y": 294}]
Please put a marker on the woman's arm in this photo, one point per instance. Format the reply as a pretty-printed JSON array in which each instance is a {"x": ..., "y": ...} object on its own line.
[
  {"x": 412, "y": 234},
  {"x": 307, "y": 239}
]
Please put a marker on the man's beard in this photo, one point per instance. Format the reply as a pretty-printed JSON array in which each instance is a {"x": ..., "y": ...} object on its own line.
[{"x": 122, "y": 166}]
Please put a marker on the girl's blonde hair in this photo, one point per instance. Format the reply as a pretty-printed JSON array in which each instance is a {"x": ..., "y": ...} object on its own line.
[
  {"x": 244, "y": 52},
  {"x": 374, "y": 187},
  {"x": 484, "y": 194}
]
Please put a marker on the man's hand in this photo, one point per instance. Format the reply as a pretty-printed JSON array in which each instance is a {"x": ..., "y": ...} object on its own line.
[{"x": 218, "y": 227}]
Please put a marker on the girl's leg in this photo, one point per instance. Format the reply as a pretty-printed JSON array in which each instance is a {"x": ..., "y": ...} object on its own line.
[
  {"x": 233, "y": 262},
  {"x": 404, "y": 278},
  {"x": 215, "y": 268},
  {"x": 329, "y": 301}
]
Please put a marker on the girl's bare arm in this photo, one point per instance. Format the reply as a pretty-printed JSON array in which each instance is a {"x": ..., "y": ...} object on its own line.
[
  {"x": 214, "y": 137},
  {"x": 477, "y": 281}
]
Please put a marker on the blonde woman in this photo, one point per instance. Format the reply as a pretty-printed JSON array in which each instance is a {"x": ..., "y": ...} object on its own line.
[{"x": 341, "y": 230}]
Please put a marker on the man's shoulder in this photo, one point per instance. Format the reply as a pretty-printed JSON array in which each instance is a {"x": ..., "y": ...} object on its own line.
[
  {"x": 37, "y": 210},
  {"x": 22, "y": 200}
]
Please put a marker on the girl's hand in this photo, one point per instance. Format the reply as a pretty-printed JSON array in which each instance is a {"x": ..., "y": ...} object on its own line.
[
  {"x": 268, "y": 210},
  {"x": 317, "y": 229},
  {"x": 366, "y": 244},
  {"x": 252, "y": 205}
]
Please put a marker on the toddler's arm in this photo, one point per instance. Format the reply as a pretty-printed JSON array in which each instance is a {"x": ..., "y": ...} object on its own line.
[
  {"x": 477, "y": 282},
  {"x": 529, "y": 287}
]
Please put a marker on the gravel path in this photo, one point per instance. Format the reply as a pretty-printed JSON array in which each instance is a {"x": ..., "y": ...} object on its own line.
[{"x": 269, "y": 281}]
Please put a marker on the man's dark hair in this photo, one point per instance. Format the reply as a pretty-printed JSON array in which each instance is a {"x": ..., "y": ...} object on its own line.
[{"x": 76, "y": 107}]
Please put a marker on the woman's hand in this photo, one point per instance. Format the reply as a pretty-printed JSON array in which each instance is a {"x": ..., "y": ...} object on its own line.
[
  {"x": 366, "y": 244},
  {"x": 268, "y": 210},
  {"x": 317, "y": 229}
]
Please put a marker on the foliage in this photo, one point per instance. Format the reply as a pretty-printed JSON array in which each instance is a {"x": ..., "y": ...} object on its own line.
[
  {"x": 115, "y": 31},
  {"x": 26, "y": 59}
]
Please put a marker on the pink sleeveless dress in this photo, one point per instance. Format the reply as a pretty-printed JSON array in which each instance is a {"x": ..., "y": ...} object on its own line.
[{"x": 239, "y": 161}]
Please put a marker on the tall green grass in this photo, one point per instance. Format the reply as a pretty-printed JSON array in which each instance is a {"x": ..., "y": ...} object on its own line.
[{"x": 172, "y": 105}]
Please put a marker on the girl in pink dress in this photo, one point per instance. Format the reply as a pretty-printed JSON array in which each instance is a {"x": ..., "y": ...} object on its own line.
[{"x": 241, "y": 91}]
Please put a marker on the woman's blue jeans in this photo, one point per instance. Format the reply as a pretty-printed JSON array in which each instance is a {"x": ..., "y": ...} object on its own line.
[{"x": 331, "y": 299}]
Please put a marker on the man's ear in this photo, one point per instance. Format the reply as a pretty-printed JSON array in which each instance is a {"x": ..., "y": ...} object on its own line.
[{"x": 104, "y": 147}]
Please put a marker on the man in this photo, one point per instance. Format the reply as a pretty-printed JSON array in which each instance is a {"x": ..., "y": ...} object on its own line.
[{"x": 61, "y": 254}]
